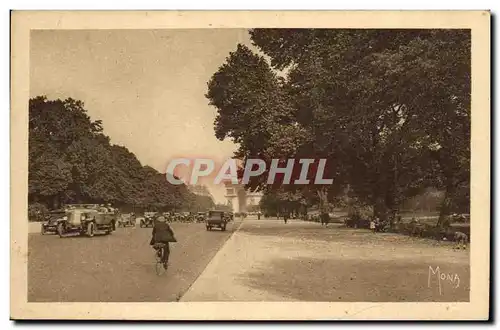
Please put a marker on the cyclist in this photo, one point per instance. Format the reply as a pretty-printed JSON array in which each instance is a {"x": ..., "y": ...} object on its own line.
[{"x": 162, "y": 233}]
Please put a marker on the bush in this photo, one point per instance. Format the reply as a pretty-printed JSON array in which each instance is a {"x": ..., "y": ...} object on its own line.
[
  {"x": 37, "y": 212},
  {"x": 358, "y": 216},
  {"x": 355, "y": 213},
  {"x": 430, "y": 231}
]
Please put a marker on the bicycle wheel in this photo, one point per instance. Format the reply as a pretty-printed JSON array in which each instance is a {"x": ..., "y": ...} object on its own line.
[
  {"x": 159, "y": 268},
  {"x": 159, "y": 262}
]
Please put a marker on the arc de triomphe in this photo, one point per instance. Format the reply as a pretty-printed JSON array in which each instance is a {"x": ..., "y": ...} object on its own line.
[{"x": 239, "y": 198}]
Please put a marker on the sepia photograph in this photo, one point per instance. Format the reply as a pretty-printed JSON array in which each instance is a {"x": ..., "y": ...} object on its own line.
[{"x": 250, "y": 165}]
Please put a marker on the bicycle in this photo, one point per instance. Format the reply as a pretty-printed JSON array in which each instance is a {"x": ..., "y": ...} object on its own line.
[{"x": 161, "y": 264}]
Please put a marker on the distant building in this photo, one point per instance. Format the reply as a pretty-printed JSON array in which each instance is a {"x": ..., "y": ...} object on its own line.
[{"x": 239, "y": 198}]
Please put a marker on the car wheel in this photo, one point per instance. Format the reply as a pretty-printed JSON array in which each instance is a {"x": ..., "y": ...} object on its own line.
[
  {"x": 90, "y": 229},
  {"x": 60, "y": 230}
]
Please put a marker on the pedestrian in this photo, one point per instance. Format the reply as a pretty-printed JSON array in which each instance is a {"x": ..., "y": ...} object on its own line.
[
  {"x": 372, "y": 225},
  {"x": 378, "y": 224}
]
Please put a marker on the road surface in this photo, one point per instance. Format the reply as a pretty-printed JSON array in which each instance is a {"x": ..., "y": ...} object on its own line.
[
  {"x": 264, "y": 260},
  {"x": 119, "y": 267}
]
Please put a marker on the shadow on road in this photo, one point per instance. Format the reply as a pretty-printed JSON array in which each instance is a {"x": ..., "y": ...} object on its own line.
[
  {"x": 310, "y": 279},
  {"x": 335, "y": 233}
]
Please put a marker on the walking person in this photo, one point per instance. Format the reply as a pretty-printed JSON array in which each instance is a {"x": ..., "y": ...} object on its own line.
[{"x": 372, "y": 224}]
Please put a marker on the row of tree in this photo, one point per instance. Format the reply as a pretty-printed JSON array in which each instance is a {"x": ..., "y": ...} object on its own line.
[
  {"x": 71, "y": 160},
  {"x": 388, "y": 109}
]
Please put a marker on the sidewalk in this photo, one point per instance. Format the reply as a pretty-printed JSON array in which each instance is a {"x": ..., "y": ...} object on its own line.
[
  {"x": 224, "y": 277},
  {"x": 267, "y": 260}
]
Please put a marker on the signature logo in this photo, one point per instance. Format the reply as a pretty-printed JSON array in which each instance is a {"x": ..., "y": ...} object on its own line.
[{"x": 442, "y": 277}]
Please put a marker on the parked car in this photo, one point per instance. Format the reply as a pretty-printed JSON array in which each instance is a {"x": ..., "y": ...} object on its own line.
[
  {"x": 201, "y": 216},
  {"x": 460, "y": 218},
  {"x": 187, "y": 217},
  {"x": 147, "y": 220},
  {"x": 86, "y": 221},
  {"x": 216, "y": 219},
  {"x": 50, "y": 226},
  {"x": 126, "y": 220}
]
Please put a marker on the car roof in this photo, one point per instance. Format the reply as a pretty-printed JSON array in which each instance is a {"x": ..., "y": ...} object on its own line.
[
  {"x": 82, "y": 209},
  {"x": 57, "y": 211}
]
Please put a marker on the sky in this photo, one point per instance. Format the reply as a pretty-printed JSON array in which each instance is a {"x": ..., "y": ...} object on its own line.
[{"x": 147, "y": 86}]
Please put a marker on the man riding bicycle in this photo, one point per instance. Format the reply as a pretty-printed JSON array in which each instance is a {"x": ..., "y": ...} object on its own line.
[{"x": 162, "y": 235}]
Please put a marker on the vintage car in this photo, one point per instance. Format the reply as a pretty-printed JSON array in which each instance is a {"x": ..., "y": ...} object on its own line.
[
  {"x": 182, "y": 217},
  {"x": 86, "y": 221},
  {"x": 126, "y": 220},
  {"x": 201, "y": 216},
  {"x": 50, "y": 226},
  {"x": 216, "y": 219},
  {"x": 147, "y": 220},
  {"x": 460, "y": 218},
  {"x": 187, "y": 217}
]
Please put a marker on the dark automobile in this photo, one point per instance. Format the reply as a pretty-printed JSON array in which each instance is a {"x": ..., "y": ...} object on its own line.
[
  {"x": 216, "y": 219},
  {"x": 148, "y": 220},
  {"x": 200, "y": 216},
  {"x": 50, "y": 226},
  {"x": 126, "y": 220}
]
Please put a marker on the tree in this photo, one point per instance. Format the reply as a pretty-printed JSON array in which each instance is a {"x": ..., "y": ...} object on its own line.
[
  {"x": 72, "y": 160},
  {"x": 382, "y": 106},
  {"x": 254, "y": 111}
]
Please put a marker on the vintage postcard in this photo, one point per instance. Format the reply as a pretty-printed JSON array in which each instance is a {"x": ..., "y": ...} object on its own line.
[{"x": 316, "y": 165}]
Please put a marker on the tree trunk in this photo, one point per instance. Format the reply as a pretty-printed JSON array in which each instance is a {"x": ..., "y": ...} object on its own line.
[
  {"x": 380, "y": 208},
  {"x": 445, "y": 208},
  {"x": 392, "y": 202},
  {"x": 55, "y": 202}
]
